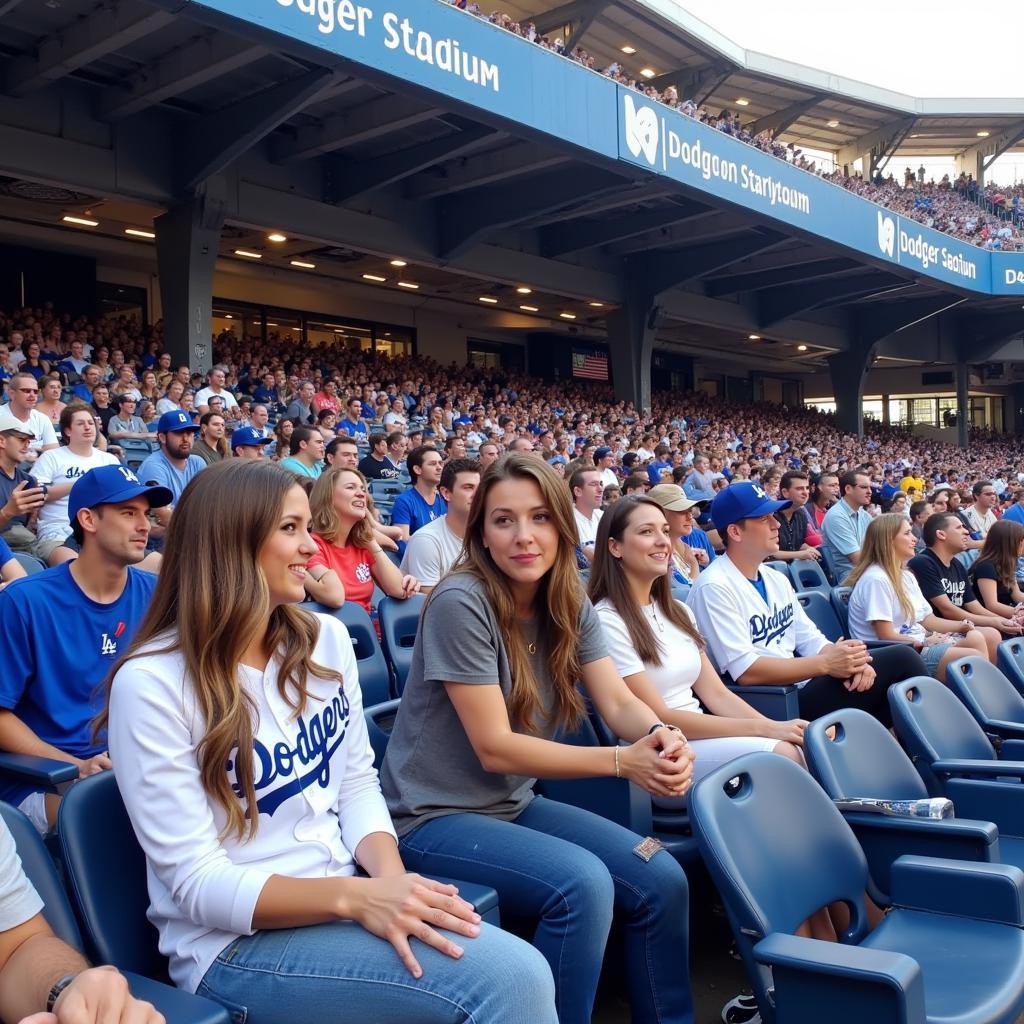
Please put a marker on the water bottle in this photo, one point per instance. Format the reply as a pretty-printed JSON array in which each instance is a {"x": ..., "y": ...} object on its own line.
[{"x": 932, "y": 807}]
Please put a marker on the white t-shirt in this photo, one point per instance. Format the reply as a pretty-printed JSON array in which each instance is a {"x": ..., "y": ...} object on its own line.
[
  {"x": 741, "y": 626},
  {"x": 873, "y": 599},
  {"x": 58, "y": 466},
  {"x": 317, "y": 795},
  {"x": 39, "y": 425},
  {"x": 586, "y": 529},
  {"x": 203, "y": 398},
  {"x": 680, "y": 656},
  {"x": 431, "y": 551}
]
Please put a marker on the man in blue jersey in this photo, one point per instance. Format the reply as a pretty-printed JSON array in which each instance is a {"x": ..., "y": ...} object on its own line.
[
  {"x": 421, "y": 503},
  {"x": 64, "y": 628}
]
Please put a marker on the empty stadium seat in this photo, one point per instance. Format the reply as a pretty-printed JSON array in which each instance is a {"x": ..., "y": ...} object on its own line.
[
  {"x": 989, "y": 696},
  {"x": 951, "y": 949},
  {"x": 780, "y": 566},
  {"x": 374, "y": 678},
  {"x": 840, "y": 597},
  {"x": 399, "y": 620},
  {"x": 1011, "y": 661},
  {"x": 827, "y": 567},
  {"x": 807, "y": 575}
]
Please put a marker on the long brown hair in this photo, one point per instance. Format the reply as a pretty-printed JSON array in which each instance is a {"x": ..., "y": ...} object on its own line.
[
  {"x": 326, "y": 521},
  {"x": 1002, "y": 548},
  {"x": 879, "y": 549},
  {"x": 211, "y": 601},
  {"x": 608, "y": 580},
  {"x": 559, "y": 599}
]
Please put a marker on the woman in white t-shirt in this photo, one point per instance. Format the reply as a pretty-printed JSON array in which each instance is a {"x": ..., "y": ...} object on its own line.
[
  {"x": 887, "y": 604},
  {"x": 654, "y": 643},
  {"x": 236, "y": 729}
]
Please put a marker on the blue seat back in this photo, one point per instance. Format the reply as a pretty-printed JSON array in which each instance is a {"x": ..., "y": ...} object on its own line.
[
  {"x": 985, "y": 691},
  {"x": 840, "y": 598},
  {"x": 808, "y": 575},
  {"x": 399, "y": 621},
  {"x": 106, "y": 877},
  {"x": 1011, "y": 661},
  {"x": 374, "y": 678},
  {"x": 42, "y": 873},
  {"x": 826, "y": 565},
  {"x": 819, "y": 610},
  {"x": 681, "y": 591},
  {"x": 29, "y": 563},
  {"x": 385, "y": 490},
  {"x": 783, "y": 567},
  {"x": 380, "y": 720},
  {"x": 859, "y": 758},
  {"x": 933, "y": 725}
]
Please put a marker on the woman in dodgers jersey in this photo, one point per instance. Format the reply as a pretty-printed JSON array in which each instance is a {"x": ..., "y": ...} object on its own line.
[{"x": 236, "y": 723}]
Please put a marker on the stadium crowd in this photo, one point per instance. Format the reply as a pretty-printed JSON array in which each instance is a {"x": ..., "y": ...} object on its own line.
[{"x": 265, "y": 483}]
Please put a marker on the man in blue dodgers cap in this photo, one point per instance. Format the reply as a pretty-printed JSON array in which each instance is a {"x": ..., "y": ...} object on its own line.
[
  {"x": 248, "y": 443},
  {"x": 758, "y": 633},
  {"x": 174, "y": 464},
  {"x": 63, "y": 629}
]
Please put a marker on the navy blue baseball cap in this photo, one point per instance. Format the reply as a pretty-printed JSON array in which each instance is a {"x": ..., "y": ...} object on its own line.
[
  {"x": 248, "y": 437},
  {"x": 175, "y": 420},
  {"x": 744, "y": 500},
  {"x": 110, "y": 485}
]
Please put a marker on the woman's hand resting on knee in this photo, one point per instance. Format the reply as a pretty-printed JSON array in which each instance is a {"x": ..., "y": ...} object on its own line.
[
  {"x": 402, "y": 906},
  {"x": 661, "y": 770}
]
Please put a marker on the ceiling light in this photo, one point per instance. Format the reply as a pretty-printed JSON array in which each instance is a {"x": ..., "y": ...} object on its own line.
[
  {"x": 529, "y": 309},
  {"x": 139, "y": 233},
  {"x": 596, "y": 305},
  {"x": 915, "y": 136},
  {"x": 407, "y": 284},
  {"x": 983, "y": 135},
  {"x": 276, "y": 236},
  {"x": 269, "y": 324},
  {"x": 84, "y": 222},
  {"x": 489, "y": 298},
  {"x": 524, "y": 290},
  {"x": 741, "y": 102},
  {"x": 801, "y": 348},
  {"x": 374, "y": 277},
  {"x": 303, "y": 264},
  {"x": 629, "y": 50},
  {"x": 567, "y": 316},
  {"x": 833, "y": 124},
  {"x": 647, "y": 72},
  {"x": 754, "y": 337},
  {"x": 228, "y": 316},
  {"x": 249, "y": 254},
  {"x": 398, "y": 263}
]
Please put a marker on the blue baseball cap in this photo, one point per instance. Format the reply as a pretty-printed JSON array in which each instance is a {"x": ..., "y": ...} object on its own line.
[
  {"x": 248, "y": 437},
  {"x": 109, "y": 485},
  {"x": 744, "y": 500},
  {"x": 175, "y": 420}
]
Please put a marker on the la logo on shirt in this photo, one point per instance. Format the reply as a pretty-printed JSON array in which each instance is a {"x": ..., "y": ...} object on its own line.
[{"x": 108, "y": 643}]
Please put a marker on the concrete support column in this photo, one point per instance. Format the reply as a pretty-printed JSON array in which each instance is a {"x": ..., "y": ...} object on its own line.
[
  {"x": 187, "y": 241},
  {"x": 962, "y": 405},
  {"x": 631, "y": 346},
  {"x": 847, "y": 370},
  {"x": 885, "y": 410}
]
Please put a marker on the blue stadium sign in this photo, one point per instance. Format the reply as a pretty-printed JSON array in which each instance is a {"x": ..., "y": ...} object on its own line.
[{"x": 453, "y": 54}]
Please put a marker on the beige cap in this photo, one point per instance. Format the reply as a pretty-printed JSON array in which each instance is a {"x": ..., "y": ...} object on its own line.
[{"x": 672, "y": 498}]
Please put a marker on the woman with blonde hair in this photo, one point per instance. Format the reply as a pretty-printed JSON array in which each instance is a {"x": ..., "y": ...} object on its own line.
[
  {"x": 886, "y": 602},
  {"x": 502, "y": 643},
  {"x": 236, "y": 730},
  {"x": 349, "y": 558}
]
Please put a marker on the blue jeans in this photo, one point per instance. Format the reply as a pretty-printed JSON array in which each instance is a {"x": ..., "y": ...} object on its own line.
[
  {"x": 572, "y": 869},
  {"x": 340, "y": 971}
]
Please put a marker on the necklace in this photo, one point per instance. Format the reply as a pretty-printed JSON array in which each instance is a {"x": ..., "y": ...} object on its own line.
[{"x": 657, "y": 622}]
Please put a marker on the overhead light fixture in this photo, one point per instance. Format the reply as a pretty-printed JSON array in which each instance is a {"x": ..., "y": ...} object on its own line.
[
  {"x": 523, "y": 290},
  {"x": 228, "y": 316},
  {"x": 249, "y": 254},
  {"x": 915, "y": 136},
  {"x": 567, "y": 316},
  {"x": 407, "y": 284},
  {"x": 269, "y": 324},
  {"x": 374, "y": 277},
  {"x": 741, "y": 102},
  {"x": 276, "y": 236},
  {"x": 629, "y": 50},
  {"x": 647, "y": 72},
  {"x": 489, "y": 299},
  {"x": 801, "y": 348},
  {"x": 754, "y": 337},
  {"x": 983, "y": 135},
  {"x": 833, "y": 124},
  {"x": 399, "y": 263},
  {"x": 596, "y": 305},
  {"x": 84, "y": 222},
  {"x": 529, "y": 309},
  {"x": 139, "y": 233},
  {"x": 303, "y": 264}
]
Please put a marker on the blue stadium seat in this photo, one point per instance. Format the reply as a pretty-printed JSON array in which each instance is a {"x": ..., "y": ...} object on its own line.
[
  {"x": 385, "y": 491},
  {"x": 780, "y": 566},
  {"x": 1011, "y": 660},
  {"x": 136, "y": 451},
  {"x": 778, "y": 851},
  {"x": 820, "y": 611},
  {"x": 827, "y": 567},
  {"x": 681, "y": 591},
  {"x": 989, "y": 696},
  {"x": 840, "y": 598},
  {"x": 807, "y": 575},
  {"x": 106, "y": 880},
  {"x": 968, "y": 558},
  {"x": 852, "y": 754},
  {"x": 374, "y": 678},
  {"x": 29, "y": 563},
  {"x": 399, "y": 620}
]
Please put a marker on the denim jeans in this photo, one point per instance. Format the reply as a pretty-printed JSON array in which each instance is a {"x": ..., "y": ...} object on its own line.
[
  {"x": 571, "y": 869},
  {"x": 340, "y": 971}
]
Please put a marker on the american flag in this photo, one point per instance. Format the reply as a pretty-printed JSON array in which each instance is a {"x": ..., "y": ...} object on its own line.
[{"x": 593, "y": 367}]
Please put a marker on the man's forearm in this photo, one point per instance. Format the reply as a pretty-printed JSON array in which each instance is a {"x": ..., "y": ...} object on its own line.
[
  {"x": 768, "y": 671},
  {"x": 31, "y": 971},
  {"x": 17, "y": 738}
]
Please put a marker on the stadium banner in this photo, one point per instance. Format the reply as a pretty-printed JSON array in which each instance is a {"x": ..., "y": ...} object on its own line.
[
  {"x": 671, "y": 144},
  {"x": 1008, "y": 273},
  {"x": 453, "y": 53}
]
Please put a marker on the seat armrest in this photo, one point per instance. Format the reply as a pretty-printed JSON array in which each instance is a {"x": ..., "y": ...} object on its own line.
[
  {"x": 619, "y": 800},
  {"x": 874, "y": 645},
  {"x": 1008, "y": 732},
  {"x": 1013, "y": 749},
  {"x": 483, "y": 898},
  {"x": 780, "y": 703},
  {"x": 44, "y": 772},
  {"x": 856, "y": 984},
  {"x": 177, "y": 1006},
  {"x": 982, "y": 769},
  {"x": 988, "y": 892},
  {"x": 989, "y": 800},
  {"x": 983, "y": 832}
]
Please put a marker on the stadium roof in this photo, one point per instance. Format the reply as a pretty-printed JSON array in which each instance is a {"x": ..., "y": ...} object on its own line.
[{"x": 800, "y": 101}]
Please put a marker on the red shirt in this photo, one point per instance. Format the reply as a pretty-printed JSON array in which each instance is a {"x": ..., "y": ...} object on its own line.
[{"x": 353, "y": 566}]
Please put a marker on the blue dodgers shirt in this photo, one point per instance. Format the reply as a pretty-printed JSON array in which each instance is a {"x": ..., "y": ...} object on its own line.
[
  {"x": 59, "y": 646},
  {"x": 411, "y": 509}
]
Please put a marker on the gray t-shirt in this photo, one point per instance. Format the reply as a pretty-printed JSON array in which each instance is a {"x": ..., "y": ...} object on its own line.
[
  {"x": 431, "y": 768},
  {"x": 19, "y": 902}
]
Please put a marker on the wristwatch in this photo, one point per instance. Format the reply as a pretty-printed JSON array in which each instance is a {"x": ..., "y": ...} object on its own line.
[
  {"x": 662, "y": 725},
  {"x": 58, "y": 986}
]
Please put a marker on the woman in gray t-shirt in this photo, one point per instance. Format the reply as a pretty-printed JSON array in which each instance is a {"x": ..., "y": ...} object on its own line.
[{"x": 503, "y": 641}]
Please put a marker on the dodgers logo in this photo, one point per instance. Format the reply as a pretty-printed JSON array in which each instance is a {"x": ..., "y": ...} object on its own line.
[
  {"x": 766, "y": 628},
  {"x": 886, "y": 234},
  {"x": 363, "y": 573},
  {"x": 641, "y": 130}
]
